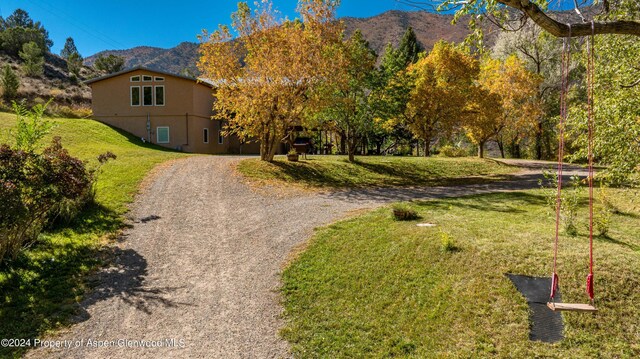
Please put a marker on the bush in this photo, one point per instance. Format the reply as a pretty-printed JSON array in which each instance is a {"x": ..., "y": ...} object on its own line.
[
  {"x": 33, "y": 59},
  {"x": 451, "y": 151},
  {"x": 10, "y": 83},
  {"x": 602, "y": 214},
  {"x": 447, "y": 243},
  {"x": 402, "y": 212},
  {"x": 33, "y": 188},
  {"x": 570, "y": 200}
]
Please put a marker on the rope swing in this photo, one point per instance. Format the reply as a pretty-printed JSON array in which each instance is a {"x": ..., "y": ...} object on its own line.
[{"x": 564, "y": 114}]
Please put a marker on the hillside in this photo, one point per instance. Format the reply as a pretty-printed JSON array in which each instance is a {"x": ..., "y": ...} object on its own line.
[
  {"x": 378, "y": 30},
  {"x": 56, "y": 83}
]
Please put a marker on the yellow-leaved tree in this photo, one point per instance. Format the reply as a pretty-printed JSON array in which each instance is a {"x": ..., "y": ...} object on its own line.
[
  {"x": 263, "y": 76},
  {"x": 444, "y": 81},
  {"x": 506, "y": 104}
]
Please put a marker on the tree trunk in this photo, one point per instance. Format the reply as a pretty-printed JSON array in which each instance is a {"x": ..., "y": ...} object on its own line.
[
  {"x": 539, "y": 142},
  {"x": 481, "y": 149},
  {"x": 427, "y": 149},
  {"x": 501, "y": 147}
]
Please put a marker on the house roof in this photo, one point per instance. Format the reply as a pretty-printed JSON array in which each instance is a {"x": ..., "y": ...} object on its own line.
[{"x": 203, "y": 82}]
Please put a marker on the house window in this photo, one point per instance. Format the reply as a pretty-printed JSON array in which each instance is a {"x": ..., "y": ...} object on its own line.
[
  {"x": 158, "y": 78},
  {"x": 147, "y": 95},
  {"x": 159, "y": 95},
  {"x": 205, "y": 135},
  {"x": 146, "y": 78},
  {"x": 220, "y": 137},
  {"x": 135, "y": 95},
  {"x": 135, "y": 78},
  {"x": 162, "y": 134}
]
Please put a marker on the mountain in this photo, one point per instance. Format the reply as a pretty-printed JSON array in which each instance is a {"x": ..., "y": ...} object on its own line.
[
  {"x": 378, "y": 30},
  {"x": 175, "y": 60},
  {"x": 389, "y": 27}
]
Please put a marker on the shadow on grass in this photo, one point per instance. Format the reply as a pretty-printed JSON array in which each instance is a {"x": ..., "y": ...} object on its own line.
[
  {"x": 505, "y": 202},
  {"x": 608, "y": 239},
  {"x": 44, "y": 287},
  {"x": 315, "y": 177}
]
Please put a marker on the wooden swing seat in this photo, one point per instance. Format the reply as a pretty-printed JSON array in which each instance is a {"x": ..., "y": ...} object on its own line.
[{"x": 571, "y": 307}]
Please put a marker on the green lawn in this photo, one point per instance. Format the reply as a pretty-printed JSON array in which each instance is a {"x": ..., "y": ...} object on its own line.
[
  {"x": 373, "y": 171},
  {"x": 41, "y": 287},
  {"x": 374, "y": 287}
]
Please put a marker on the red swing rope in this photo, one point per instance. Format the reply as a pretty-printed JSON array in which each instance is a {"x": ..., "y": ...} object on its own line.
[
  {"x": 591, "y": 125},
  {"x": 566, "y": 62}
]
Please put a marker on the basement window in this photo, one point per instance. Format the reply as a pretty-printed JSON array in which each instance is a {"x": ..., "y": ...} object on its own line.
[
  {"x": 147, "y": 95},
  {"x": 162, "y": 134},
  {"x": 135, "y": 95},
  {"x": 159, "y": 95},
  {"x": 146, "y": 78},
  {"x": 205, "y": 135}
]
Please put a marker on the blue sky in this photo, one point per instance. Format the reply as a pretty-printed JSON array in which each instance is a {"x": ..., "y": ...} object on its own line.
[{"x": 120, "y": 24}]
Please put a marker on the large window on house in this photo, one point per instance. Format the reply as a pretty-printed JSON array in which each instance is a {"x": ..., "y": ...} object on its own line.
[
  {"x": 205, "y": 135},
  {"x": 135, "y": 95},
  {"x": 162, "y": 134},
  {"x": 159, "y": 95},
  {"x": 135, "y": 78},
  {"x": 146, "y": 78},
  {"x": 147, "y": 95}
]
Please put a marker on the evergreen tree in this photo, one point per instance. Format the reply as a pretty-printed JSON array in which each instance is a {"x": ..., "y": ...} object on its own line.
[
  {"x": 33, "y": 59},
  {"x": 109, "y": 64},
  {"x": 409, "y": 48},
  {"x": 69, "y": 49},
  {"x": 19, "y": 29},
  {"x": 10, "y": 83}
]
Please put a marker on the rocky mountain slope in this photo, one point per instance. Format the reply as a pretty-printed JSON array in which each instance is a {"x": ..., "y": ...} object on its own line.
[{"x": 378, "y": 30}]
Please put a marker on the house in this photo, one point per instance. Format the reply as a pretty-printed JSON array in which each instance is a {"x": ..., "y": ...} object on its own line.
[{"x": 169, "y": 110}]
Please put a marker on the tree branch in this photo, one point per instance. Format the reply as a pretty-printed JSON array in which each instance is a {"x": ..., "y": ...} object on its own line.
[{"x": 559, "y": 29}]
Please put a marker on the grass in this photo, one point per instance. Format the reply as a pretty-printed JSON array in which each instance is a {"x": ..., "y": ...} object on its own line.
[
  {"x": 41, "y": 288},
  {"x": 372, "y": 171},
  {"x": 374, "y": 287}
]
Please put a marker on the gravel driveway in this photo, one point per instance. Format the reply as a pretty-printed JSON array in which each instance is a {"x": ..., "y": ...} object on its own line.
[{"x": 201, "y": 264}]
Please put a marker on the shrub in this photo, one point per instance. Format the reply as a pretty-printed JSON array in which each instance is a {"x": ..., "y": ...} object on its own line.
[
  {"x": 602, "y": 214},
  {"x": 31, "y": 127},
  {"x": 453, "y": 151},
  {"x": 33, "y": 59},
  {"x": 10, "y": 83},
  {"x": 570, "y": 200},
  {"x": 402, "y": 212},
  {"x": 33, "y": 188},
  {"x": 447, "y": 243}
]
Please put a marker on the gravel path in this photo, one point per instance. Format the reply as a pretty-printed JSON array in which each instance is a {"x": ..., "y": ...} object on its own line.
[{"x": 201, "y": 264}]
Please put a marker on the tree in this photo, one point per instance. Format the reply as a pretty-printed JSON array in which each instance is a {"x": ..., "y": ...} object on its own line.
[
  {"x": 69, "y": 49},
  {"x": 443, "y": 84},
  {"x": 74, "y": 64},
  {"x": 541, "y": 54},
  {"x": 19, "y": 29},
  {"x": 33, "y": 59},
  {"x": 10, "y": 83},
  {"x": 516, "y": 89},
  {"x": 409, "y": 48},
  {"x": 392, "y": 94},
  {"x": 109, "y": 64},
  {"x": 263, "y": 78},
  {"x": 618, "y": 17},
  {"x": 617, "y": 111},
  {"x": 345, "y": 105},
  {"x": 483, "y": 112}
]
